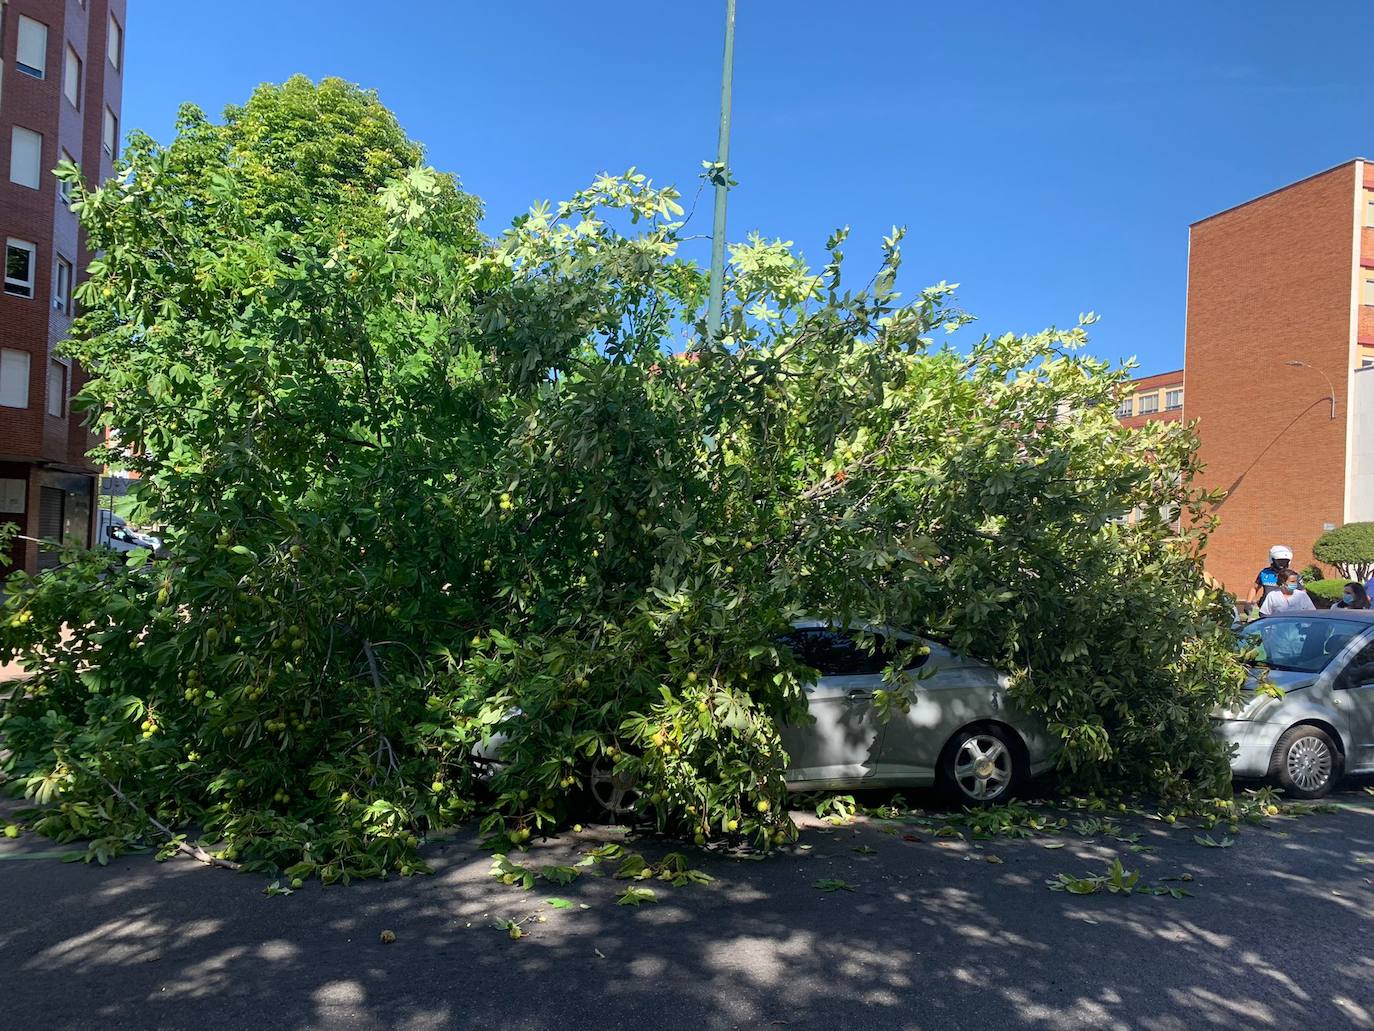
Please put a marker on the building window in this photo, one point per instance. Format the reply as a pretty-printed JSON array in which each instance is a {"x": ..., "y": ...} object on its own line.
[
  {"x": 21, "y": 258},
  {"x": 1367, "y": 291},
  {"x": 31, "y": 52},
  {"x": 64, "y": 188},
  {"x": 26, "y": 157},
  {"x": 1149, "y": 403},
  {"x": 1126, "y": 408},
  {"x": 71, "y": 78},
  {"x": 14, "y": 378},
  {"x": 111, "y": 138},
  {"x": 62, "y": 286},
  {"x": 1367, "y": 362},
  {"x": 57, "y": 389},
  {"x": 116, "y": 44},
  {"x": 1173, "y": 399}
]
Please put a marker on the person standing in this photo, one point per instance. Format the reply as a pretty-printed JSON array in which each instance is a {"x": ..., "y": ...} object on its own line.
[
  {"x": 1268, "y": 578},
  {"x": 1353, "y": 597},
  {"x": 1290, "y": 597}
]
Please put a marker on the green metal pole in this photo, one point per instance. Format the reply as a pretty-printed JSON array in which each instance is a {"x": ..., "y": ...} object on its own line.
[{"x": 713, "y": 310}]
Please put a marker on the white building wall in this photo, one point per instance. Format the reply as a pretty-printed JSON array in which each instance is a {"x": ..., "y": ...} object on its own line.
[{"x": 1361, "y": 507}]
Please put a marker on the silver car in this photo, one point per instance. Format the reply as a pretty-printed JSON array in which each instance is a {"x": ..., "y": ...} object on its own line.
[
  {"x": 962, "y": 731},
  {"x": 1322, "y": 725}
]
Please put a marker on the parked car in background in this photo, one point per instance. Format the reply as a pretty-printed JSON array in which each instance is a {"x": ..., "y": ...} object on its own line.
[
  {"x": 114, "y": 533},
  {"x": 1322, "y": 725}
]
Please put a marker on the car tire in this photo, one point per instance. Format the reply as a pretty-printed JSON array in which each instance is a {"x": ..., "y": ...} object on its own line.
[
  {"x": 981, "y": 765},
  {"x": 610, "y": 797},
  {"x": 1306, "y": 762}
]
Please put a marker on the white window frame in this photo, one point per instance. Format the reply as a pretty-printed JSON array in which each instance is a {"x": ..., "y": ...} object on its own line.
[
  {"x": 114, "y": 44},
  {"x": 25, "y": 41},
  {"x": 109, "y": 135},
  {"x": 62, "y": 285},
  {"x": 71, "y": 77},
  {"x": 1125, "y": 408},
  {"x": 25, "y": 288},
  {"x": 32, "y": 175},
  {"x": 59, "y": 395},
  {"x": 1369, "y": 208},
  {"x": 10, "y": 394},
  {"x": 1169, "y": 395},
  {"x": 1367, "y": 288},
  {"x": 1149, "y": 403}
]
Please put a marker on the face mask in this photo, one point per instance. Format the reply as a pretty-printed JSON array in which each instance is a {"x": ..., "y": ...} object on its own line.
[
  {"x": 1289, "y": 587},
  {"x": 1348, "y": 598}
]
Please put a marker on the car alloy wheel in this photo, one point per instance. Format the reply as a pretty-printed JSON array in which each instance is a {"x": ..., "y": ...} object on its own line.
[
  {"x": 983, "y": 767},
  {"x": 1310, "y": 763},
  {"x": 614, "y": 793}
]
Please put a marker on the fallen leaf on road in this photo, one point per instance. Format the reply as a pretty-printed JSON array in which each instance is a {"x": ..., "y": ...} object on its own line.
[
  {"x": 833, "y": 884},
  {"x": 1054, "y": 844},
  {"x": 559, "y": 903},
  {"x": 387, "y": 937},
  {"x": 995, "y": 859},
  {"x": 910, "y": 837}
]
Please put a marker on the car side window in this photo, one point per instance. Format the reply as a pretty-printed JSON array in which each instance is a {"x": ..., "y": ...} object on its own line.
[
  {"x": 1359, "y": 670},
  {"x": 839, "y": 653}
]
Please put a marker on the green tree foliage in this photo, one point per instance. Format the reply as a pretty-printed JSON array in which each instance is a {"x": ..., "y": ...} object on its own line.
[
  {"x": 1350, "y": 548},
  {"x": 416, "y": 482}
]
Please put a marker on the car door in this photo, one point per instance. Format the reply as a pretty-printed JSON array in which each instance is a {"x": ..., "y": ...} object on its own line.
[
  {"x": 947, "y": 691},
  {"x": 1354, "y": 694},
  {"x": 840, "y": 747}
]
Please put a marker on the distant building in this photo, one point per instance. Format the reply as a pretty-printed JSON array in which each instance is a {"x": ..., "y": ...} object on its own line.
[
  {"x": 61, "y": 79},
  {"x": 1279, "y": 348},
  {"x": 1157, "y": 398}
]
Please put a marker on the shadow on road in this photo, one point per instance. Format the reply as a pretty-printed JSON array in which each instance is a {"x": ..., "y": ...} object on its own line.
[{"x": 933, "y": 935}]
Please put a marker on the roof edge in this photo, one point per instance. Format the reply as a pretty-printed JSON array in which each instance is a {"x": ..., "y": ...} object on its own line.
[{"x": 1277, "y": 189}]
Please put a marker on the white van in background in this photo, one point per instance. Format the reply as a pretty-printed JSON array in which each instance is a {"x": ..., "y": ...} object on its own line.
[{"x": 113, "y": 533}]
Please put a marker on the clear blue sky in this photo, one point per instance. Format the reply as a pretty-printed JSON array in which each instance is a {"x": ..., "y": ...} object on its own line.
[{"x": 1047, "y": 157}]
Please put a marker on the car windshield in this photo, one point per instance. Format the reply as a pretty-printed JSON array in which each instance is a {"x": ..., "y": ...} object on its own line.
[{"x": 1298, "y": 645}]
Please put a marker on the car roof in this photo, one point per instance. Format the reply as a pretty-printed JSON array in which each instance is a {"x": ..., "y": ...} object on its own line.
[{"x": 1366, "y": 615}]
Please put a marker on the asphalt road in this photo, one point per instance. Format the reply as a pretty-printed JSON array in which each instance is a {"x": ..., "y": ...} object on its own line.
[{"x": 935, "y": 935}]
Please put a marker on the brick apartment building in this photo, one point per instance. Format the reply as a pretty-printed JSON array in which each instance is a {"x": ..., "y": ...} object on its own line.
[
  {"x": 1157, "y": 398},
  {"x": 1279, "y": 365},
  {"x": 61, "y": 77}
]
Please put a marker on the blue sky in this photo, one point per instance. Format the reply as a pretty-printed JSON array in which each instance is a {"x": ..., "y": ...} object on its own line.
[{"x": 1047, "y": 157}]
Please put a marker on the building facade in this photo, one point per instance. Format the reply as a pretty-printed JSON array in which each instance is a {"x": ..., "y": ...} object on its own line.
[
  {"x": 1280, "y": 323},
  {"x": 1157, "y": 398},
  {"x": 61, "y": 79}
]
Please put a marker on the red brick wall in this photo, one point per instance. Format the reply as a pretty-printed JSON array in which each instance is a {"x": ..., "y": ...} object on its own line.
[
  {"x": 1270, "y": 282},
  {"x": 39, "y": 216},
  {"x": 30, "y": 435}
]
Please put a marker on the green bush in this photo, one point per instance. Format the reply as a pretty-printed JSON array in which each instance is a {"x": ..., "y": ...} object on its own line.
[
  {"x": 1325, "y": 593},
  {"x": 417, "y": 481},
  {"x": 1350, "y": 548}
]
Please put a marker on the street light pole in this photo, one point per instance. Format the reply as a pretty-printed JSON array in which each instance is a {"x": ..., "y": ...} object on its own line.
[
  {"x": 721, "y": 178},
  {"x": 1304, "y": 365}
]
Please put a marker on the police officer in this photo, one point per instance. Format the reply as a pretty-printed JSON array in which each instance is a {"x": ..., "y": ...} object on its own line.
[{"x": 1271, "y": 576}]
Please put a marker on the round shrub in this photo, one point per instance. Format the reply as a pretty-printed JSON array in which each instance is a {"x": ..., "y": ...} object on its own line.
[{"x": 1350, "y": 548}]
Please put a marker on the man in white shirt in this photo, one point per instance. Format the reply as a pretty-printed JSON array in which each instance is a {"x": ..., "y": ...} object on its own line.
[{"x": 1288, "y": 598}]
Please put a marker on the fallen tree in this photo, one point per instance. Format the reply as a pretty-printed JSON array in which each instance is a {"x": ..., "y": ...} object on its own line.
[{"x": 417, "y": 480}]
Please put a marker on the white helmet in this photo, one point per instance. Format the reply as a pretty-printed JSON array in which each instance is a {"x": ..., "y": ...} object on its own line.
[{"x": 1280, "y": 551}]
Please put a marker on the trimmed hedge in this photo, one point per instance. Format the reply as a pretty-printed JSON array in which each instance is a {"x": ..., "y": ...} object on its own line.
[{"x": 1325, "y": 593}]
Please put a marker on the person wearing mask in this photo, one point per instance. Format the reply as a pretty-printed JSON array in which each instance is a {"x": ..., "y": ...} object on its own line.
[
  {"x": 1290, "y": 597},
  {"x": 1268, "y": 578},
  {"x": 1353, "y": 597}
]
